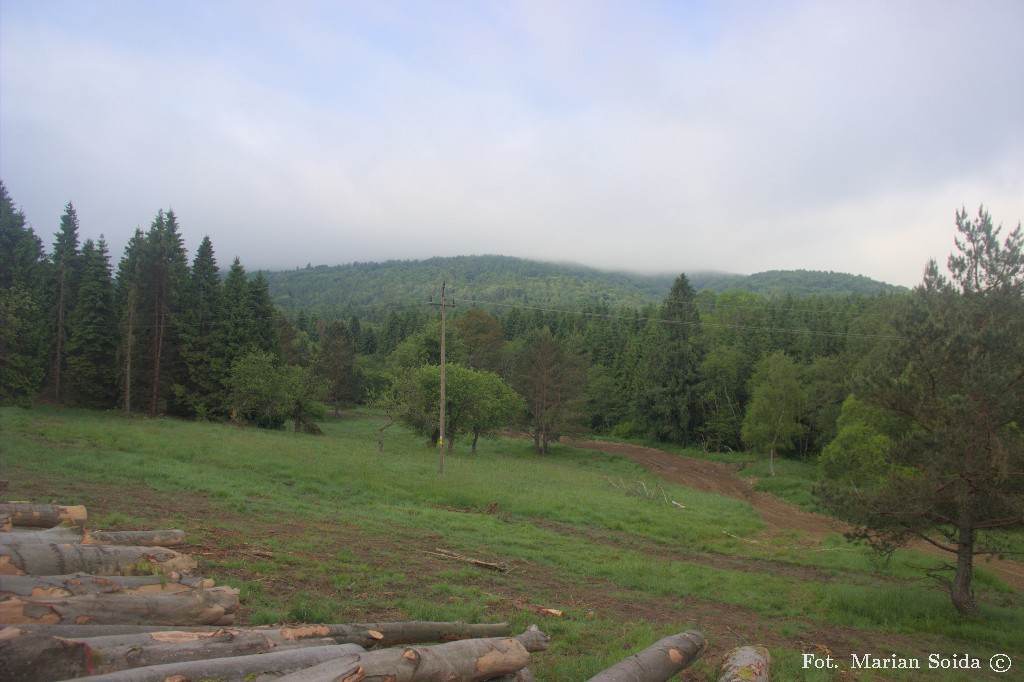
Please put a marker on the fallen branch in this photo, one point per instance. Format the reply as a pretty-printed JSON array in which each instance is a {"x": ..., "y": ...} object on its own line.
[{"x": 501, "y": 568}]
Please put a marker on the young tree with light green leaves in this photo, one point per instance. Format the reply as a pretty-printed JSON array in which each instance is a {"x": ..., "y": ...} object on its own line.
[{"x": 772, "y": 422}]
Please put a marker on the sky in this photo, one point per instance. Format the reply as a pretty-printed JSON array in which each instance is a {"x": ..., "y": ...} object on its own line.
[{"x": 666, "y": 137}]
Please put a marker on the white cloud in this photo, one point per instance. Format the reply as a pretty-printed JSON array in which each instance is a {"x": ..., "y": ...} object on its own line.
[{"x": 736, "y": 137}]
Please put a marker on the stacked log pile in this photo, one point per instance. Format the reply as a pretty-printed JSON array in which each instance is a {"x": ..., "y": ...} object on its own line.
[{"x": 124, "y": 607}]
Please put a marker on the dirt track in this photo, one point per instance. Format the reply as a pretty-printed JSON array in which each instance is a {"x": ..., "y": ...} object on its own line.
[{"x": 715, "y": 477}]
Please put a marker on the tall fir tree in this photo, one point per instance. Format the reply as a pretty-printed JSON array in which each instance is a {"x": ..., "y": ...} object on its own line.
[
  {"x": 92, "y": 343},
  {"x": 263, "y": 315},
  {"x": 165, "y": 276},
  {"x": 24, "y": 271},
  {"x": 131, "y": 318},
  {"x": 205, "y": 362},
  {"x": 66, "y": 260}
]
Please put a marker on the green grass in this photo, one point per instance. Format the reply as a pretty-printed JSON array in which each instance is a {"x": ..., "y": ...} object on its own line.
[{"x": 343, "y": 534}]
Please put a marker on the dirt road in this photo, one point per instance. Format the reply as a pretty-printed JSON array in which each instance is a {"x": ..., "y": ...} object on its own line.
[{"x": 715, "y": 477}]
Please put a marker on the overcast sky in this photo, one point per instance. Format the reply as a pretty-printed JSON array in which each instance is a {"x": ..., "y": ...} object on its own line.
[{"x": 648, "y": 136}]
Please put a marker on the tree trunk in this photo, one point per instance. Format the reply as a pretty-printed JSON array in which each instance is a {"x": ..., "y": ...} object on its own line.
[
  {"x": 59, "y": 559},
  {"x": 236, "y": 668},
  {"x": 129, "y": 336},
  {"x": 960, "y": 592},
  {"x": 58, "y": 360},
  {"x": 73, "y": 535},
  {"x": 659, "y": 662},
  {"x": 83, "y": 583},
  {"x": 523, "y": 675},
  {"x": 215, "y": 606},
  {"x": 38, "y": 658},
  {"x": 746, "y": 664},
  {"x": 55, "y": 658},
  {"x": 364, "y": 634},
  {"x": 470, "y": 660},
  {"x": 43, "y": 515}
]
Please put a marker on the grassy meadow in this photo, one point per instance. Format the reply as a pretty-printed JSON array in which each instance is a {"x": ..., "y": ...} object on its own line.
[{"x": 331, "y": 530}]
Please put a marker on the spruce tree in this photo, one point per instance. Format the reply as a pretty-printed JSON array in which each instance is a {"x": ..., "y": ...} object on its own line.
[
  {"x": 165, "y": 276},
  {"x": 263, "y": 315},
  {"x": 92, "y": 344},
  {"x": 23, "y": 322},
  {"x": 66, "y": 260},
  {"x": 205, "y": 362},
  {"x": 131, "y": 318}
]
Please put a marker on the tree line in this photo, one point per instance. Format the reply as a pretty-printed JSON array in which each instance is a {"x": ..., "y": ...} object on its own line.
[{"x": 910, "y": 402}]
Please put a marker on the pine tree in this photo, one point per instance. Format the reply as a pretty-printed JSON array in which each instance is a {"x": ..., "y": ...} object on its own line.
[
  {"x": 92, "y": 344},
  {"x": 66, "y": 266}
]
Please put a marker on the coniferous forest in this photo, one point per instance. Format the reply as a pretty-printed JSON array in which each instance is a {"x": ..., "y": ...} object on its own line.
[{"x": 886, "y": 389}]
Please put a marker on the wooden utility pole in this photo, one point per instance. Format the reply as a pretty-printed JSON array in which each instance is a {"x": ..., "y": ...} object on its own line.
[{"x": 440, "y": 440}]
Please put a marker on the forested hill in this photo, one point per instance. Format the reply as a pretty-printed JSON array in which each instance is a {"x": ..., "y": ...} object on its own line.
[
  {"x": 795, "y": 282},
  {"x": 363, "y": 287}
]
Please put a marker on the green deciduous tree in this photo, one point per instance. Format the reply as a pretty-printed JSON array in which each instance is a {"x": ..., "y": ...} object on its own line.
[
  {"x": 952, "y": 385},
  {"x": 477, "y": 402},
  {"x": 772, "y": 422},
  {"x": 267, "y": 393}
]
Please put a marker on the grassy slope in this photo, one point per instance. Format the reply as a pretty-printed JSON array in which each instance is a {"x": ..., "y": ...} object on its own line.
[{"x": 330, "y": 530}]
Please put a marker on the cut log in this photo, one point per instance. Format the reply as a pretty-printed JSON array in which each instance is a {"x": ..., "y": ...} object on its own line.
[
  {"x": 36, "y": 658},
  {"x": 59, "y": 559},
  {"x": 363, "y": 634},
  {"x": 83, "y": 583},
  {"x": 43, "y": 515},
  {"x": 469, "y": 660},
  {"x": 523, "y": 675},
  {"x": 65, "y": 534},
  {"x": 746, "y": 664},
  {"x": 236, "y": 668},
  {"x": 659, "y": 662},
  {"x": 124, "y": 652},
  {"x": 215, "y": 606},
  {"x": 172, "y": 537},
  {"x": 5, "y": 522}
]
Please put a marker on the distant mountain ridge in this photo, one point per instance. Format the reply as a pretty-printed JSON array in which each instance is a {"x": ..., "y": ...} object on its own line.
[{"x": 506, "y": 280}]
